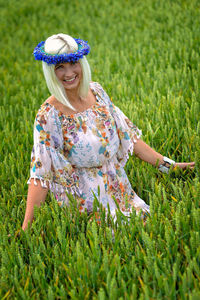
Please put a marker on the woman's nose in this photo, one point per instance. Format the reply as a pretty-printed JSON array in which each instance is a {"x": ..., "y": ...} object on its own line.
[{"x": 68, "y": 70}]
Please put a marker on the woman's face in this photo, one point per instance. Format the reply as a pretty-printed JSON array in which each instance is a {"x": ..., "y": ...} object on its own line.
[{"x": 70, "y": 74}]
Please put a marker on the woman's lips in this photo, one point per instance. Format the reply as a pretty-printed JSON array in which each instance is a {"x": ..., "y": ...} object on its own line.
[{"x": 71, "y": 80}]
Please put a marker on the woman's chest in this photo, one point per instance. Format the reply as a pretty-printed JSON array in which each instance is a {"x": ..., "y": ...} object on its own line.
[{"x": 91, "y": 138}]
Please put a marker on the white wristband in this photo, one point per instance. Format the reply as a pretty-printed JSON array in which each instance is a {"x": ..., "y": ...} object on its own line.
[{"x": 163, "y": 167}]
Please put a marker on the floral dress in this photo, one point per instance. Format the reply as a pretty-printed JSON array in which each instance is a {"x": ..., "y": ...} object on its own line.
[{"x": 84, "y": 154}]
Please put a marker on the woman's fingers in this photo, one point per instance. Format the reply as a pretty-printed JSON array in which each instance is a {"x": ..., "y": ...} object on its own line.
[
  {"x": 185, "y": 165},
  {"x": 16, "y": 234}
]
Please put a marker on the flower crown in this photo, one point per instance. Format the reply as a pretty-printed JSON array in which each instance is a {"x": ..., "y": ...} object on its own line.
[{"x": 40, "y": 54}]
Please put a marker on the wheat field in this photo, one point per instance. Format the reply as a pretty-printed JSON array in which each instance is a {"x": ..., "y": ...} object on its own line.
[{"x": 145, "y": 53}]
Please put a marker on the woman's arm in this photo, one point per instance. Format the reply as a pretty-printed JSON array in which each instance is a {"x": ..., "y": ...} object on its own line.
[
  {"x": 146, "y": 153},
  {"x": 36, "y": 195}
]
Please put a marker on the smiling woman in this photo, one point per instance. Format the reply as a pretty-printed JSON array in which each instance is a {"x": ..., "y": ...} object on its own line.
[{"x": 82, "y": 140}]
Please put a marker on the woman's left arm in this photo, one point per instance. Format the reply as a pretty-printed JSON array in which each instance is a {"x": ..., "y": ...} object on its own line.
[{"x": 146, "y": 153}]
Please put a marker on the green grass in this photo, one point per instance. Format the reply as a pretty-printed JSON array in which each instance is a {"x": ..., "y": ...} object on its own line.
[{"x": 146, "y": 55}]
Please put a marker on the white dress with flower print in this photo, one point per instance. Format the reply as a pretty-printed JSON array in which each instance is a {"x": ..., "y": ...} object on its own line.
[{"x": 85, "y": 153}]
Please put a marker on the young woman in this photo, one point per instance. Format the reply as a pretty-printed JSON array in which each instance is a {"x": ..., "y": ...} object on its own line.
[{"x": 81, "y": 139}]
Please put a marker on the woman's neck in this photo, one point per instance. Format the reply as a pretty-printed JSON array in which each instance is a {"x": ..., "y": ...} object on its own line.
[{"x": 73, "y": 96}]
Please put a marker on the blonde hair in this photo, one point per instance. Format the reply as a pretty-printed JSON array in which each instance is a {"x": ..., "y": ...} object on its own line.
[{"x": 59, "y": 44}]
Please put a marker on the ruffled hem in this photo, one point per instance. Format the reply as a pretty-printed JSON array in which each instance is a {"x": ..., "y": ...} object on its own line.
[
  {"x": 42, "y": 181},
  {"x": 56, "y": 188}
]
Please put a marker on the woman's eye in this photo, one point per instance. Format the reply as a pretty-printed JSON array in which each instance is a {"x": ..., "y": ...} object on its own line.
[{"x": 58, "y": 67}]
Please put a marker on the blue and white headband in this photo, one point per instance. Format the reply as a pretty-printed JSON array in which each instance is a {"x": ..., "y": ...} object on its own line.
[{"x": 40, "y": 54}]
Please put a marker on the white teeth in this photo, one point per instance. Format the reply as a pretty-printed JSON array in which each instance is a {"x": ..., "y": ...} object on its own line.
[{"x": 70, "y": 79}]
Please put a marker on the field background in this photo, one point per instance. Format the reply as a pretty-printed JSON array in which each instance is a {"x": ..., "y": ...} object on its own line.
[{"x": 146, "y": 55}]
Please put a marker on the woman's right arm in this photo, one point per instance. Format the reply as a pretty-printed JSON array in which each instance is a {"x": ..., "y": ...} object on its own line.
[{"x": 36, "y": 196}]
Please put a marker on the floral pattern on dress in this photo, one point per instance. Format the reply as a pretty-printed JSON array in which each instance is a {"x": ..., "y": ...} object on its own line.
[{"x": 85, "y": 153}]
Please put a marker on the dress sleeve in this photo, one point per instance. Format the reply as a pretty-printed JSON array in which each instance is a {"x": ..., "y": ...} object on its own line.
[
  {"x": 48, "y": 163},
  {"x": 128, "y": 133}
]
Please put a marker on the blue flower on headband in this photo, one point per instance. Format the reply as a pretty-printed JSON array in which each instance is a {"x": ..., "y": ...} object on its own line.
[{"x": 40, "y": 54}]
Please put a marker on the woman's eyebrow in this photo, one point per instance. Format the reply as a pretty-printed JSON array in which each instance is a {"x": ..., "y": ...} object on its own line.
[{"x": 57, "y": 65}]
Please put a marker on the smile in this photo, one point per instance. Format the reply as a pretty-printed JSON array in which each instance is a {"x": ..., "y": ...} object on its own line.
[{"x": 70, "y": 80}]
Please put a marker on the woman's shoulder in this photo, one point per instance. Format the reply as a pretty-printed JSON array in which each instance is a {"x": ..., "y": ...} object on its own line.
[
  {"x": 96, "y": 86},
  {"x": 44, "y": 112}
]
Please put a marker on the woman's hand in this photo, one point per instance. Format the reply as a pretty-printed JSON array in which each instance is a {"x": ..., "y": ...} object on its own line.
[
  {"x": 185, "y": 165},
  {"x": 16, "y": 234},
  {"x": 146, "y": 153}
]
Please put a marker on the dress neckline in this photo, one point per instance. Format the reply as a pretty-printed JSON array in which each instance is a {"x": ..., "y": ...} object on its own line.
[{"x": 95, "y": 93}]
